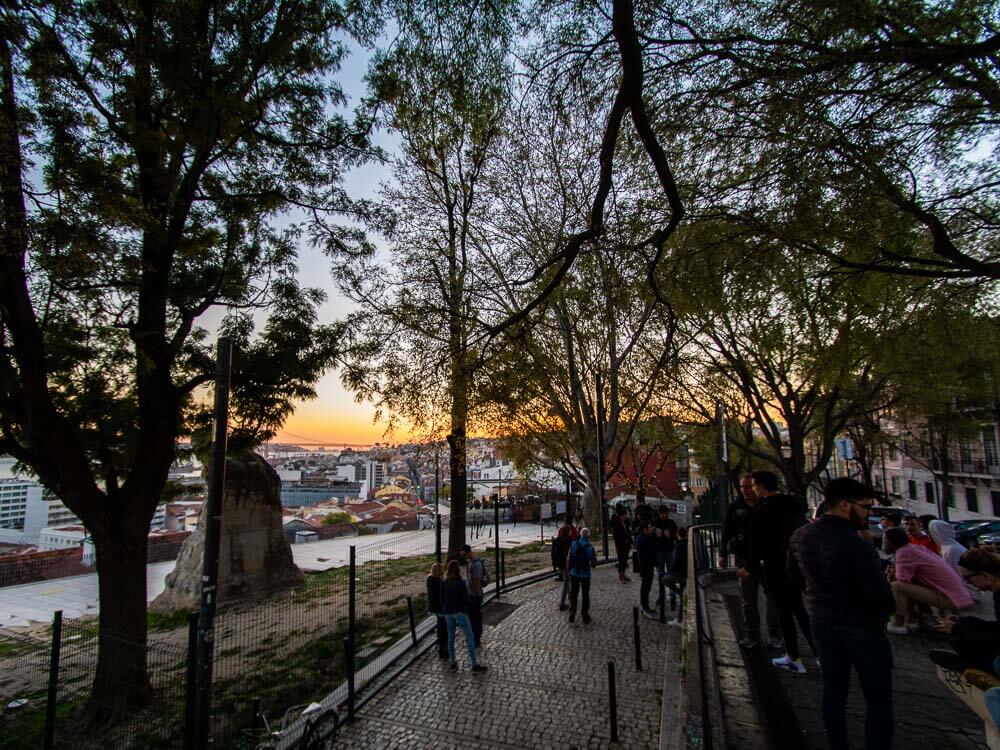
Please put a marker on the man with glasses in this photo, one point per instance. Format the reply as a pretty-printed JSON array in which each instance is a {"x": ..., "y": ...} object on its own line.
[{"x": 848, "y": 601}]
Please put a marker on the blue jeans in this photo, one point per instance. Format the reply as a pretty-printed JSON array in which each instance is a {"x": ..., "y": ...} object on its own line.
[
  {"x": 840, "y": 647},
  {"x": 462, "y": 620}
]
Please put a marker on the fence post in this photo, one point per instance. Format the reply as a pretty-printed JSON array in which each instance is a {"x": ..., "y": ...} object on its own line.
[
  {"x": 50, "y": 706},
  {"x": 613, "y": 701},
  {"x": 352, "y": 643},
  {"x": 190, "y": 700},
  {"x": 413, "y": 626},
  {"x": 213, "y": 529},
  {"x": 437, "y": 539},
  {"x": 638, "y": 645},
  {"x": 503, "y": 568},
  {"x": 496, "y": 540}
]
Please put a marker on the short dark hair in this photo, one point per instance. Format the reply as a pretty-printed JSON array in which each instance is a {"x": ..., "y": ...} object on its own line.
[
  {"x": 664, "y": 509},
  {"x": 766, "y": 479},
  {"x": 622, "y": 510},
  {"x": 466, "y": 548},
  {"x": 843, "y": 488},
  {"x": 897, "y": 537},
  {"x": 925, "y": 521}
]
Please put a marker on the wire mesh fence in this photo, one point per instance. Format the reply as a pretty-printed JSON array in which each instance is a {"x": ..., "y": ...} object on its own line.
[{"x": 272, "y": 650}]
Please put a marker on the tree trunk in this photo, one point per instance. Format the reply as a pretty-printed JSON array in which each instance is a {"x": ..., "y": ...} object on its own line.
[
  {"x": 120, "y": 680},
  {"x": 459, "y": 490}
]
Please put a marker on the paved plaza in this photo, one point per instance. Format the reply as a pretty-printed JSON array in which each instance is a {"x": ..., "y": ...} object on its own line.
[{"x": 547, "y": 684}]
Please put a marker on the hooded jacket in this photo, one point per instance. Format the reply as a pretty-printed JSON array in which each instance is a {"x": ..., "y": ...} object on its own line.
[
  {"x": 943, "y": 533},
  {"x": 772, "y": 524}
]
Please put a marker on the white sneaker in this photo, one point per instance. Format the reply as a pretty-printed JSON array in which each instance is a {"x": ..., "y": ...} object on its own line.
[
  {"x": 789, "y": 665},
  {"x": 898, "y": 629}
]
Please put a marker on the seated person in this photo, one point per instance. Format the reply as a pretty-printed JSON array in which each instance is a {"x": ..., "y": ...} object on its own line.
[
  {"x": 920, "y": 576},
  {"x": 976, "y": 642}
]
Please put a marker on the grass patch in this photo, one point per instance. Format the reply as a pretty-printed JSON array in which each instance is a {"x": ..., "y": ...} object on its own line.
[{"x": 167, "y": 620}]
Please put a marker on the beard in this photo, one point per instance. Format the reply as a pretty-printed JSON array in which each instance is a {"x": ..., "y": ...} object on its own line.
[{"x": 857, "y": 521}]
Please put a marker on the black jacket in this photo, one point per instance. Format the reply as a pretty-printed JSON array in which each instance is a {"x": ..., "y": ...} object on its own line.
[
  {"x": 645, "y": 547},
  {"x": 435, "y": 595},
  {"x": 736, "y": 529},
  {"x": 772, "y": 524},
  {"x": 840, "y": 573}
]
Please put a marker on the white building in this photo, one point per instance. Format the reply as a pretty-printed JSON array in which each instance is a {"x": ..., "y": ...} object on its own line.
[
  {"x": 63, "y": 537},
  {"x": 26, "y": 509}
]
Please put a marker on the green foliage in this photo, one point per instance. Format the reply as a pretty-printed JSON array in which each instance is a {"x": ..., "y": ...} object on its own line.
[{"x": 333, "y": 518}]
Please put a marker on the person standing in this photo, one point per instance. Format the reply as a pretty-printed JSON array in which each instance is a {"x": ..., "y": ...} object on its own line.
[
  {"x": 918, "y": 536},
  {"x": 474, "y": 575},
  {"x": 580, "y": 563},
  {"x": 666, "y": 543},
  {"x": 435, "y": 605},
  {"x": 645, "y": 549},
  {"x": 848, "y": 600},
  {"x": 456, "y": 608},
  {"x": 772, "y": 525},
  {"x": 736, "y": 541},
  {"x": 623, "y": 541}
]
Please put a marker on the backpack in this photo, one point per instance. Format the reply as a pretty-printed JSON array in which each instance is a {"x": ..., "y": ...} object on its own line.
[{"x": 581, "y": 557}]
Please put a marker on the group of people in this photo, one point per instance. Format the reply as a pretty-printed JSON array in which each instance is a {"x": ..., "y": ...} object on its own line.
[
  {"x": 827, "y": 578},
  {"x": 660, "y": 549},
  {"x": 458, "y": 603}
]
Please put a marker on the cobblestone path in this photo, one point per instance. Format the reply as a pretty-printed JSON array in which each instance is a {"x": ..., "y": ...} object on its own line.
[{"x": 547, "y": 684}]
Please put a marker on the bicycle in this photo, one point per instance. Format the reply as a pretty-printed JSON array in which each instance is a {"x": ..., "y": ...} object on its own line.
[{"x": 318, "y": 733}]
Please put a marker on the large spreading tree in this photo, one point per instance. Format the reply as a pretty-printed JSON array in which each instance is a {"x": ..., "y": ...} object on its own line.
[{"x": 145, "y": 151}]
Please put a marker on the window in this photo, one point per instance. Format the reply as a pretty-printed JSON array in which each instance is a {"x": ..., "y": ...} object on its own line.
[
  {"x": 928, "y": 492},
  {"x": 995, "y": 496},
  {"x": 895, "y": 485},
  {"x": 911, "y": 489},
  {"x": 990, "y": 445},
  {"x": 950, "y": 497},
  {"x": 971, "y": 501},
  {"x": 965, "y": 451}
]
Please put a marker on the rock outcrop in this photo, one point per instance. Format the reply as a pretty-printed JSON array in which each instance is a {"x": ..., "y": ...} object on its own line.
[{"x": 254, "y": 554}]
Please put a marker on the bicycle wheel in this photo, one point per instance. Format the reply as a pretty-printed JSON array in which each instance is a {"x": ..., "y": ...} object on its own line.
[{"x": 320, "y": 733}]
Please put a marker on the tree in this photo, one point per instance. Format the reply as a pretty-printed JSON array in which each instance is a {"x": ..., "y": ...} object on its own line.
[
  {"x": 445, "y": 85},
  {"x": 863, "y": 134},
  {"x": 144, "y": 153},
  {"x": 784, "y": 347}
]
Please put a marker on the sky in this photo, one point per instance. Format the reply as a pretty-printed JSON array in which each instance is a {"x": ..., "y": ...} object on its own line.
[{"x": 334, "y": 417}]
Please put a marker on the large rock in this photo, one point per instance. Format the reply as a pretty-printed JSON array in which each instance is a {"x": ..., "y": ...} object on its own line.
[{"x": 254, "y": 554}]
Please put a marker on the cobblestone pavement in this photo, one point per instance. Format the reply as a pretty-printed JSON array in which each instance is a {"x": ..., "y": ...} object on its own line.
[
  {"x": 547, "y": 684},
  {"x": 928, "y": 716}
]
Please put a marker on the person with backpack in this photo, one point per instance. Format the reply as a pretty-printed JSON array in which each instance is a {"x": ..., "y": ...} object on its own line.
[
  {"x": 477, "y": 577},
  {"x": 580, "y": 562},
  {"x": 456, "y": 615},
  {"x": 771, "y": 527}
]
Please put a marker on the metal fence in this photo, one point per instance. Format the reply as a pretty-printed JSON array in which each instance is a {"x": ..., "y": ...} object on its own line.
[{"x": 338, "y": 630}]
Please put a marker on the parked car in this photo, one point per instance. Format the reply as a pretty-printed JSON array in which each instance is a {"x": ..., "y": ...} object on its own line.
[
  {"x": 989, "y": 538},
  {"x": 969, "y": 536}
]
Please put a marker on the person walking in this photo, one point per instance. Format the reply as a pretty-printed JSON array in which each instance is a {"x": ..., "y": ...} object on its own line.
[
  {"x": 772, "y": 525},
  {"x": 456, "y": 615},
  {"x": 475, "y": 573},
  {"x": 623, "y": 541},
  {"x": 580, "y": 563},
  {"x": 848, "y": 600},
  {"x": 435, "y": 605},
  {"x": 736, "y": 541},
  {"x": 645, "y": 549}
]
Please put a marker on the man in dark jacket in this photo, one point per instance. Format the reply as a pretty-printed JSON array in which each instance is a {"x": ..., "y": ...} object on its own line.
[
  {"x": 848, "y": 600},
  {"x": 645, "y": 548},
  {"x": 771, "y": 526},
  {"x": 623, "y": 540},
  {"x": 736, "y": 541}
]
